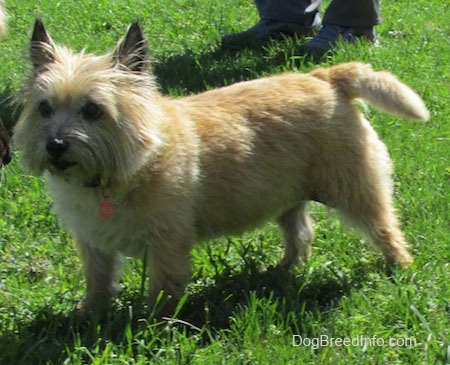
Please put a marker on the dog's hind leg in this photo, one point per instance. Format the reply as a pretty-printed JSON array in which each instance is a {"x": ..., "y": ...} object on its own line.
[
  {"x": 298, "y": 235},
  {"x": 379, "y": 221},
  {"x": 365, "y": 198}
]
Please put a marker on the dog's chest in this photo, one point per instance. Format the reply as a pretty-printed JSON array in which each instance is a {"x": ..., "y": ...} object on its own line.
[{"x": 104, "y": 224}]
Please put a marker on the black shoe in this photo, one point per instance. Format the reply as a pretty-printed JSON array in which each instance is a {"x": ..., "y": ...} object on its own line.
[
  {"x": 264, "y": 31},
  {"x": 325, "y": 41}
]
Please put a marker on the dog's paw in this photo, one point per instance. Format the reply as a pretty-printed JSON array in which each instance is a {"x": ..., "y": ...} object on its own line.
[
  {"x": 402, "y": 261},
  {"x": 91, "y": 313}
]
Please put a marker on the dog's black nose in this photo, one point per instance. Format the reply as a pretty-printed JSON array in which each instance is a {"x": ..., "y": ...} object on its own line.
[{"x": 56, "y": 147}]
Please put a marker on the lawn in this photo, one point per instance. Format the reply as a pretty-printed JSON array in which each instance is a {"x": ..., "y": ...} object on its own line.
[{"x": 340, "y": 308}]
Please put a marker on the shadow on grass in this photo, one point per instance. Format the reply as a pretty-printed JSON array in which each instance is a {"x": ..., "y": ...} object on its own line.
[
  {"x": 293, "y": 291},
  {"x": 194, "y": 73},
  {"x": 50, "y": 337}
]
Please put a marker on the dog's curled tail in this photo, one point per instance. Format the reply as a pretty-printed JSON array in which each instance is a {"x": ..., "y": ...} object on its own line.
[{"x": 380, "y": 88}]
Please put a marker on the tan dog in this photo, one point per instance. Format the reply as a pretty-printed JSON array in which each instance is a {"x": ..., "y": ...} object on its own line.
[{"x": 136, "y": 173}]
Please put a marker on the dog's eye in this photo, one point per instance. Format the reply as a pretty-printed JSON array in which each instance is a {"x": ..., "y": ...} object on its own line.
[
  {"x": 45, "y": 109},
  {"x": 92, "y": 111}
]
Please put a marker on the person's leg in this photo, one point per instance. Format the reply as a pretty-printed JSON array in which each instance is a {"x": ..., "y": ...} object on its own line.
[
  {"x": 278, "y": 18},
  {"x": 353, "y": 13},
  {"x": 345, "y": 20},
  {"x": 292, "y": 11}
]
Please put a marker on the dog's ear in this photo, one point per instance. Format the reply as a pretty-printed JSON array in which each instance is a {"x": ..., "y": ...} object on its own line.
[
  {"x": 42, "y": 48},
  {"x": 131, "y": 51}
]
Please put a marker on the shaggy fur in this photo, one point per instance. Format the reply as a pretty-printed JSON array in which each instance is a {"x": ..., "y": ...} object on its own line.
[{"x": 183, "y": 170}]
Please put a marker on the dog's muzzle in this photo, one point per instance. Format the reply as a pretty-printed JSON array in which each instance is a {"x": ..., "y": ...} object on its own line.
[{"x": 57, "y": 149}]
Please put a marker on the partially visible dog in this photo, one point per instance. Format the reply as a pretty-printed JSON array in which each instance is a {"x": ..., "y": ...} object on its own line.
[
  {"x": 3, "y": 18},
  {"x": 136, "y": 173},
  {"x": 5, "y": 152}
]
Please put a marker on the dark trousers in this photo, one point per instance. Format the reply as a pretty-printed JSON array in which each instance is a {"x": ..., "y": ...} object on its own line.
[{"x": 351, "y": 13}]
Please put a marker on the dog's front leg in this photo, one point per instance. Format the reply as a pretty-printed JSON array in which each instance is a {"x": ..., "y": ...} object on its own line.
[
  {"x": 101, "y": 270},
  {"x": 169, "y": 268}
]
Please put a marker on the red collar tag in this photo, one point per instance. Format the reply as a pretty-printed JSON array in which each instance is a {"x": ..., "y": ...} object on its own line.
[{"x": 106, "y": 208}]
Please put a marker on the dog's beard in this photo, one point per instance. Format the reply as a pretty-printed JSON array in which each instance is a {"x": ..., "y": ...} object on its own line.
[
  {"x": 78, "y": 166},
  {"x": 106, "y": 153},
  {"x": 88, "y": 161},
  {"x": 77, "y": 169},
  {"x": 94, "y": 159}
]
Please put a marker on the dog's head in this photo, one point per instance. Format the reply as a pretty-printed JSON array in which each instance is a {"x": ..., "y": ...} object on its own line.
[{"x": 91, "y": 120}]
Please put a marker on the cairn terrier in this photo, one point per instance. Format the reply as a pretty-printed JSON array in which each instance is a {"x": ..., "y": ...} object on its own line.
[{"x": 133, "y": 172}]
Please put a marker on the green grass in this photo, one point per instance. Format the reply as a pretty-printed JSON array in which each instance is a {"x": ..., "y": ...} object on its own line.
[{"x": 236, "y": 313}]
